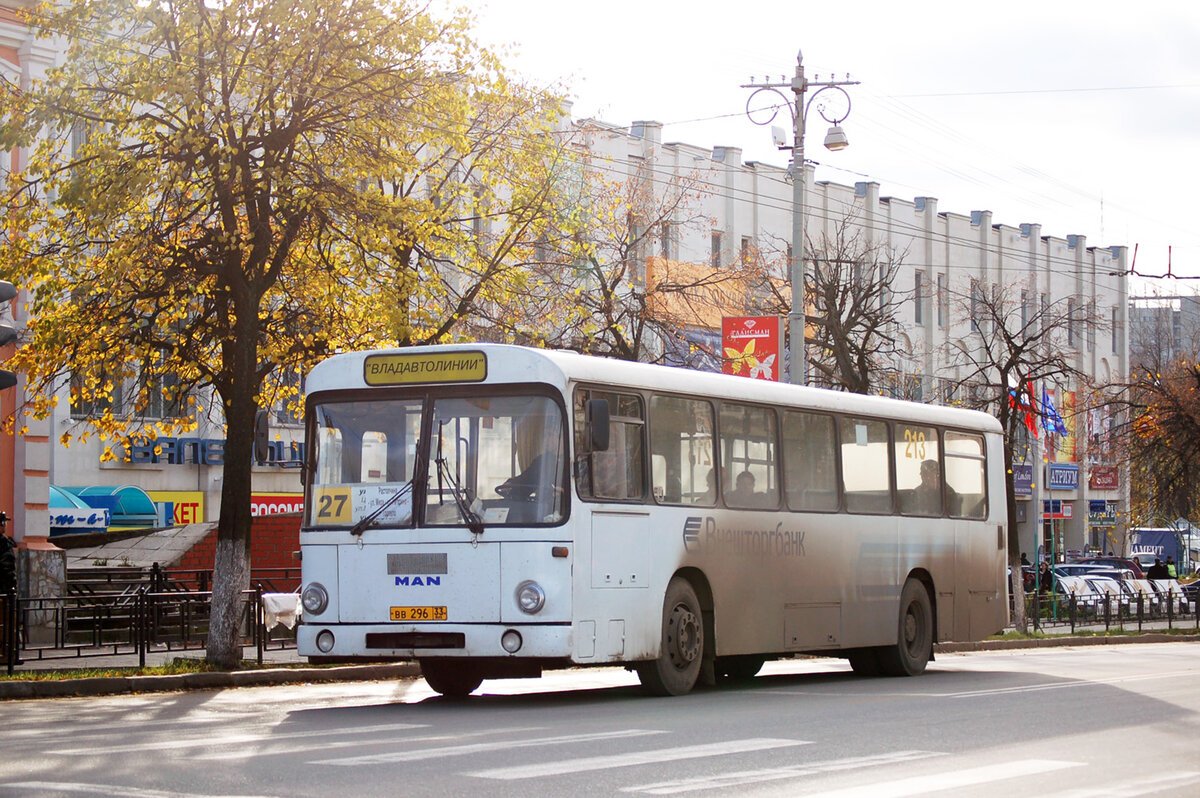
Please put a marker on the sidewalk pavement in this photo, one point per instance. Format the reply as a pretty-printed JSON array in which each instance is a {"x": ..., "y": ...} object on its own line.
[{"x": 290, "y": 668}]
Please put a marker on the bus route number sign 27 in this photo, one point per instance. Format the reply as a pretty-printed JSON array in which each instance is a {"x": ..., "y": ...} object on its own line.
[{"x": 418, "y": 613}]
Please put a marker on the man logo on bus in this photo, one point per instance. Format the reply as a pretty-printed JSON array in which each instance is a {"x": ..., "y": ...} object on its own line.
[{"x": 417, "y": 581}]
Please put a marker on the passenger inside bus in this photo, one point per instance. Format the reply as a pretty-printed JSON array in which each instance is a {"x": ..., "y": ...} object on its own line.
[
  {"x": 743, "y": 494},
  {"x": 929, "y": 493}
]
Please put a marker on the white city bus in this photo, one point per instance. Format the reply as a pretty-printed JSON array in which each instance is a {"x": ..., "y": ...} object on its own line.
[{"x": 493, "y": 510}]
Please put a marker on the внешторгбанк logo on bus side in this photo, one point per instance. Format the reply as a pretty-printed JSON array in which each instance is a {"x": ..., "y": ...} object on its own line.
[{"x": 703, "y": 532}]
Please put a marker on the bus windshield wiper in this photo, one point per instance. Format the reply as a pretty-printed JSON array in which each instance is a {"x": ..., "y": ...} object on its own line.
[
  {"x": 473, "y": 521},
  {"x": 367, "y": 521}
]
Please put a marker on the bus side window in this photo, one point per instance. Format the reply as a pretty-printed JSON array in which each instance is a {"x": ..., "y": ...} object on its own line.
[
  {"x": 809, "y": 462},
  {"x": 966, "y": 475},
  {"x": 618, "y": 473},
  {"x": 749, "y": 456},
  {"x": 918, "y": 470},
  {"x": 681, "y": 450},
  {"x": 866, "y": 469}
]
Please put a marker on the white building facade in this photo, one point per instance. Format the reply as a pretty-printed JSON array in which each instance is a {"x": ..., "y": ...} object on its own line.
[{"x": 1072, "y": 494}]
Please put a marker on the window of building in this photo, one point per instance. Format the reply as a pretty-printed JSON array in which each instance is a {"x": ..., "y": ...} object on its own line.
[
  {"x": 977, "y": 324},
  {"x": 918, "y": 296},
  {"x": 1072, "y": 333},
  {"x": 1090, "y": 327},
  {"x": 1116, "y": 329},
  {"x": 941, "y": 300},
  {"x": 715, "y": 257}
]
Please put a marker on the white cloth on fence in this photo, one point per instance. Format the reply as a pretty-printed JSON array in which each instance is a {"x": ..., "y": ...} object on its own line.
[{"x": 280, "y": 608}]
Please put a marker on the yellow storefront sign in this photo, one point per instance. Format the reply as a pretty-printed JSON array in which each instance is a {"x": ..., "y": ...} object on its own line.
[
  {"x": 405, "y": 369},
  {"x": 179, "y": 507}
]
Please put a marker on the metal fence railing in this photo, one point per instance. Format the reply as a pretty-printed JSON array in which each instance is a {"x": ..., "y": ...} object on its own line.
[
  {"x": 124, "y": 622},
  {"x": 1121, "y": 611}
]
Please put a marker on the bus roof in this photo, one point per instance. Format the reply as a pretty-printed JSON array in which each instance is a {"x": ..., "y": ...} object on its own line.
[{"x": 517, "y": 364}]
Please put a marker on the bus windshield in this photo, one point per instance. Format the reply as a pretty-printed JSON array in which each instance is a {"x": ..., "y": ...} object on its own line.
[
  {"x": 498, "y": 460},
  {"x": 503, "y": 454}
]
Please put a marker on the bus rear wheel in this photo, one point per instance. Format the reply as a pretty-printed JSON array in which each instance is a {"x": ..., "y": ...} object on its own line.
[
  {"x": 682, "y": 646},
  {"x": 914, "y": 643},
  {"x": 450, "y": 677}
]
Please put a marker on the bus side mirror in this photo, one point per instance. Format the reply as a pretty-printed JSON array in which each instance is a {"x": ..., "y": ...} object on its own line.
[{"x": 596, "y": 413}]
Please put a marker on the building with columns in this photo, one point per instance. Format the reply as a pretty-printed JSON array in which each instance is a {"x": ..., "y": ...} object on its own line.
[{"x": 1072, "y": 494}]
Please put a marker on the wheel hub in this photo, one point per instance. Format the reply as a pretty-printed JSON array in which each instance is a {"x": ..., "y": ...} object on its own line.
[{"x": 685, "y": 637}]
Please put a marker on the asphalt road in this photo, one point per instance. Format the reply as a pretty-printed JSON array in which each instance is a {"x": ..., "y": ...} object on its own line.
[{"x": 1102, "y": 720}]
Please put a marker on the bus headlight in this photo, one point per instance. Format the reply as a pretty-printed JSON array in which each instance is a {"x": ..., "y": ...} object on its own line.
[
  {"x": 315, "y": 599},
  {"x": 325, "y": 641},
  {"x": 530, "y": 597}
]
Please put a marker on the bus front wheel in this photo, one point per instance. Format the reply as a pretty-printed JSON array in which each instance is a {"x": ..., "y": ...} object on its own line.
[
  {"x": 914, "y": 644},
  {"x": 682, "y": 647},
  {"x": 451, "y": 677}
]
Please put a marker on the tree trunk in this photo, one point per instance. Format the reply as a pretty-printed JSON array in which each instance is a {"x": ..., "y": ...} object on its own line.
[
  {"x": 1016, "y": 582},
  {"x": 231, "y": 566}
]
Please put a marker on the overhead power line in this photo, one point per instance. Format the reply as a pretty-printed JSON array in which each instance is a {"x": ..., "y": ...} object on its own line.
[{"x": 1052, "y": 91}]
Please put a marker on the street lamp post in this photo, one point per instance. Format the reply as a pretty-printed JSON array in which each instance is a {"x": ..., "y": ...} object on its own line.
[{"x": 835, "y": 140}]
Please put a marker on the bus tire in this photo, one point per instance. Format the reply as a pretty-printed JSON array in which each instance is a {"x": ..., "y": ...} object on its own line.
[
  {"x": 739, "y": 668},
  {"x": 914, "y": 643},
  {"x": 681, "y": 651},
  {"x": 452, "y": 678}
]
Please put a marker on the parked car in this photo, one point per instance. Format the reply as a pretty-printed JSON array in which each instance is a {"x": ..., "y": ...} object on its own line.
[
  {"x": 1102, "y": 586},
  {"x": 1081, "y": 569},
  {"x": 1116, "y": 562}
]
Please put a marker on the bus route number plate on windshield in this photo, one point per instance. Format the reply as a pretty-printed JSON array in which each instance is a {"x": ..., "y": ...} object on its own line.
[{"x": 418, "y": 613}]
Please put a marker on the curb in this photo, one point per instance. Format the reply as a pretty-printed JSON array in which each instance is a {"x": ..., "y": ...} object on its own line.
[
  {"x": 210, "y": 680},
  {"x": 215, "y": 680},
  {"x": 1060, "y": 642}
]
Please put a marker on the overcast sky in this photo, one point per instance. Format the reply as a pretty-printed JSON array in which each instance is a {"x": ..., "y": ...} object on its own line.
[{"x": 1081, "y": 116}]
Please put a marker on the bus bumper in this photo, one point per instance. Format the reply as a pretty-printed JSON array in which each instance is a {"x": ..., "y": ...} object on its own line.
[{"x": 394, "y": 641}]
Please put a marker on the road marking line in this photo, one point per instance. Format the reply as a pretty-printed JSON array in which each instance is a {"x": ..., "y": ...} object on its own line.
[
  {"x": 589, "y": 763},
  {"x": 1133, "y": 787},
  {"x": 1032, "y": 688},
  {"x": 954, "y": 779},
  {"x": 217, "y": 739},
  {"x": 107, "y": 789},
  {"x": 734, "y": 779},
  {"x": 477, "y": 748},
  {"x": 325, "y": 746}
]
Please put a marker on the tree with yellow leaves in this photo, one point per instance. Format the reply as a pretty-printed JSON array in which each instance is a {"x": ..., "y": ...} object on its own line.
[{"x": 217, "y": 195}]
